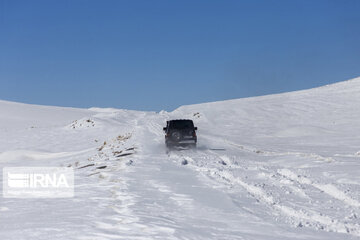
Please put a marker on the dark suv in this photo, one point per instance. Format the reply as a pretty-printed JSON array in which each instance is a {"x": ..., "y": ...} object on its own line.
[{"x": 180, "y": 132}]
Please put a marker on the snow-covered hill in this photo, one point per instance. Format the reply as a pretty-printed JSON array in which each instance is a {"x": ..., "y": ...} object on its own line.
[{"x": 281, "y": 166}]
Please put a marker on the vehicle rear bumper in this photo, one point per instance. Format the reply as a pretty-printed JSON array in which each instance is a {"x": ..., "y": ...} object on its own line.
[{"x": 182, "y": 141}]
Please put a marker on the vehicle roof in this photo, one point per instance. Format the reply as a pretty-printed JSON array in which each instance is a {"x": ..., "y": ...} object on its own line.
[{"x": 176, "y": 120}]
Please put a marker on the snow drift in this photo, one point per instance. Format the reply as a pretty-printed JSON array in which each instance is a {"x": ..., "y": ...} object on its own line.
[{"x": 281, "y": 166}]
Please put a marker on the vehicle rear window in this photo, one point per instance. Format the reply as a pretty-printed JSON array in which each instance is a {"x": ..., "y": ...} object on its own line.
[{"x": 181, "y": 124}]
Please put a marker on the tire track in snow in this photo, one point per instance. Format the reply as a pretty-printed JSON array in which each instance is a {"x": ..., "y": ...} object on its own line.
[
  {"x": 329, "y": 189},
  {"x": 154, "y": 128},
  {"x": 182, "y": 200},
  {"x": 284, "y": 183},
  {"x": 299, "y": 218},
  {"x": 314, "y": 156}
]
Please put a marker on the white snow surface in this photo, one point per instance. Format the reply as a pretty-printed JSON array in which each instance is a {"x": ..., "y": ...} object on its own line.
[{"x": 282, "y": 166}]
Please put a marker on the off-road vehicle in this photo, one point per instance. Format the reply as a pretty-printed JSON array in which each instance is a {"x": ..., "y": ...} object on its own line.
[{"x": 180, "y": 132}]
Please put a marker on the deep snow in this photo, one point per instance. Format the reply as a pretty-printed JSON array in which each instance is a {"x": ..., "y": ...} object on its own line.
[{"x": 282, "y": 166}]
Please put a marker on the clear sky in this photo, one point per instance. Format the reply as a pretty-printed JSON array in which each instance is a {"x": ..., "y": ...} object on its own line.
[{"x": 160, "y": 54}]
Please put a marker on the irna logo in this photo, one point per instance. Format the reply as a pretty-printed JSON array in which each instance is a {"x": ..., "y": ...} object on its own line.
[{"x": 33, "y": 182}]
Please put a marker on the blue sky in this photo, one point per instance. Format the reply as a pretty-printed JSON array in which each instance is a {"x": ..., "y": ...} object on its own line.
[{"x": 160, "y": 54}]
